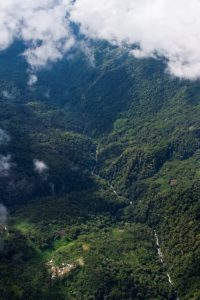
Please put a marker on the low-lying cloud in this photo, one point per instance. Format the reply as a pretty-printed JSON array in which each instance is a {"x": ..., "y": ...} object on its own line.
[
  {"x": 168, "y": 28},
  {"x": 7, "y": 95},
  {"x": 159, "y": 28},
  {"x": 43, "y": 26},
  {"x": 5, "y": 165},
  {"x": 40, "y": 166},
  {"x": 32, "y": 80},
  {"x": 4, "y": 137},
  {"x": 5, "y": 160}
]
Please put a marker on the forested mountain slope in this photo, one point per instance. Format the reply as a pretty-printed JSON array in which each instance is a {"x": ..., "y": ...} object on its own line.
[{"x": 121, "y": 140}]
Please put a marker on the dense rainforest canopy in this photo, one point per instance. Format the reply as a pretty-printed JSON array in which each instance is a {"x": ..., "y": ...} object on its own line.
[{"x": 99, "y": 159}]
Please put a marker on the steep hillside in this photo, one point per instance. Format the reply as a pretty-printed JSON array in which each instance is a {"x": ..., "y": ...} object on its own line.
[{"x": 120, "y": 141}]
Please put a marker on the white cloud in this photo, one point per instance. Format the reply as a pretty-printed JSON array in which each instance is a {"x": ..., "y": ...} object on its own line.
[
  {"x": 4, "y": 137},
  {"x": 5, "y": 160},
  {"x": 86, "y": 49},
  {"x": 6, "y": 94},
  {"x": 47, "y": 94},
  {"x": 40, "y": 166},
  {"x": 5, "y": 165},
  {"x": 169, "y": 28},
  {"x": 41, "y": 24},
  {"x": 32, "y": 80}
]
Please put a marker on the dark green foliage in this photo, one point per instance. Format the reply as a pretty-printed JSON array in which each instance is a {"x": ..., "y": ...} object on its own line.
[{"x": 147, "y": 129}]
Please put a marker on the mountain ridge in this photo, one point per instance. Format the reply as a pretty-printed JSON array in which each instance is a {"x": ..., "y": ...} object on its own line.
[{"x": 145, "y": 126}]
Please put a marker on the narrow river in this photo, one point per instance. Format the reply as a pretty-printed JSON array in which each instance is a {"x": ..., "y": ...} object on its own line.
[{"x": 160, "y": 254}]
